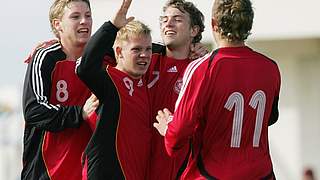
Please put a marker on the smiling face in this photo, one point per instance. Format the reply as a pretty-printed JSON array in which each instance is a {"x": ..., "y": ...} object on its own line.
[
  {"x": 134, "y": 55},
  {"x": 75, "y": 24},
  {"x": 175, "y": 28}
]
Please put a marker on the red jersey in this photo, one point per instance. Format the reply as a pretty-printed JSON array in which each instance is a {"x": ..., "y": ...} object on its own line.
[
  {"x": 54, "y": 138},
  {"x": 164, "y": 83},
  {"x": 120, "y": 145},
  {"x": 227, "y": 101},
  {"x": 67, "y": 89}
]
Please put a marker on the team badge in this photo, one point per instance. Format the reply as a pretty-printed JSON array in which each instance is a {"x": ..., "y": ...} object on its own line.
[{"x": 177, "y": 86}]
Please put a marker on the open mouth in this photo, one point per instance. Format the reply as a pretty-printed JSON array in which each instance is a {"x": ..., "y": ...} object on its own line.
[
  {"x": 142, "y": 63},
  {"x": 83, "y": 30},
  {"x": 170, "y": 32}
]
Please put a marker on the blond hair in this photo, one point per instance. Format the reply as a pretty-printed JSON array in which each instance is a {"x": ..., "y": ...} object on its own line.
[
  {"x": 132, "y": 29},
  {"x": 57, "y": 9}
]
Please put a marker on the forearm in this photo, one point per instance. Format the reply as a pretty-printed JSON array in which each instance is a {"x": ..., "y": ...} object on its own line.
[
  {"x": 38, "y": 111},
  {"x": 90, "y": 69},
  {"x": 98, "y": 46},
  {"x": 51, "y": 117}
]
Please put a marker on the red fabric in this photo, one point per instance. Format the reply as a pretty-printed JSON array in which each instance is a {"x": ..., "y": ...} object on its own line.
[
  {"x": 134, "y": 129},
  {"x": 85, "y": 169},
  {"x": 235, "y": 76},
  {"x": 62, "y": 151},
  {"x": 164, "y": 82}
]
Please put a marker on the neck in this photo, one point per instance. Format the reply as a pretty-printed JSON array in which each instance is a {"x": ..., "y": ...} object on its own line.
[
  {"x": 221, "y": 42},
  {"x": 72, "y": 51},
  {"x": 120, "y": 68},
  {"x": 178, "y": 52},
  {"x": 224, "y": 43}
]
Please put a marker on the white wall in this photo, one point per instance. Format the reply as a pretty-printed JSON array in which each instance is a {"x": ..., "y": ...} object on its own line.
[
  {"x": 283, "y": 19},
  {"x": 295, "y": 137}
]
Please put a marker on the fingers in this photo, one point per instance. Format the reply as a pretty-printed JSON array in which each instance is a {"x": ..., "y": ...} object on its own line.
[
  {"x": 38, "y": 46},
  {"x": 156, "y": 125},
  {"x": 162, "y": 128},
  {"x": 95, "y": 104},
  {"x": 120, "y": 18},
  {"x": 125, "y": 5},
  {"x": 131, "y": 18},
  {"x": 167, "y": 112},
  {"x": 197, "y": 50},
  {"x": 91, "y": 104},
  {"x": 203, "y": 51},
  {"x": 159, "y": 128},
  {"x": 192, "y": 47},
  {"x": 164, "y": 117},
  {"x": 161, "y": 117},
  {"x": 93, "y": 97}
]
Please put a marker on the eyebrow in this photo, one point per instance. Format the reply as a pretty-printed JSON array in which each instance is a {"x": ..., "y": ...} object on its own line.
[{"x": 177, "y": 15}]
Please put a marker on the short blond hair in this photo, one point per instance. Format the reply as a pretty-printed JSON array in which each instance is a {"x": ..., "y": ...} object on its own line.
[
  {"x": 132, "y": 29},
  {"x": 57, "y": 9}
]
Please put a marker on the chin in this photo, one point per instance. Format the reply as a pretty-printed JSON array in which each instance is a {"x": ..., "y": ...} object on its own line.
[
  {"x": 171, "y": 43},
  {"x": 141, "y": 73},
  {"x": 168, "y": 42},
  {"x": 82, "y": 42}
]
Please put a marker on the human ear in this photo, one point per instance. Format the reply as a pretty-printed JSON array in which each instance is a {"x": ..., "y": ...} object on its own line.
[
  {"x": 195, "y": 30},
  {"x": 119, "y": 52},
  {"x": 214, "y": 24},
  {"x": 57, "y": 24}
]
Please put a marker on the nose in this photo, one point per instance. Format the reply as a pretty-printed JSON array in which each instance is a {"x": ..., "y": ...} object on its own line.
[
  {"x": 145, "y": 54},
  {"x": 170, "y": 22},
  {"x": 84, "y": 20}
]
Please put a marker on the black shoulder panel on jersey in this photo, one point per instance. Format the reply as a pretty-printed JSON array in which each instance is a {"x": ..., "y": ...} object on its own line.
[
  {"x": 274, "y": 112},
  {"x": 214, "y": 53},
  {"x": 158, "y": 48}
]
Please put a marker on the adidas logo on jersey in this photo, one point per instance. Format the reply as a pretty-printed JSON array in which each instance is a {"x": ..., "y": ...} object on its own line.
[{"x": 173, "y": 69}]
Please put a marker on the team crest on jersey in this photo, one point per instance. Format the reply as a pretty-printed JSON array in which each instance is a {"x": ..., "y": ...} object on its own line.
[{"x": 177, "y": 86}]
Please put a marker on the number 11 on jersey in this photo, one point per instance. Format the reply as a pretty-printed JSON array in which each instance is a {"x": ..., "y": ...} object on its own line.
[{"x": 236, "y": 100}]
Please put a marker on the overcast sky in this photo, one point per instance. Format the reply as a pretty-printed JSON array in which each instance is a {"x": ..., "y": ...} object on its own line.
[{"x": 25, "y": 23}]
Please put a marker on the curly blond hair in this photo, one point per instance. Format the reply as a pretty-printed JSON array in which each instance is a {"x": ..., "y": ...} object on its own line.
[{"x": 234, "y": 19}]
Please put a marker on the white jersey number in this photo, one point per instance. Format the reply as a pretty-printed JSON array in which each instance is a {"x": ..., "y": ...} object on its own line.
[
  {"x": 236, "y": 100},
  {"x": 129, "y": 85},
  {"x": 62, "y": 92},
  {"x": 156, "y": 78}
]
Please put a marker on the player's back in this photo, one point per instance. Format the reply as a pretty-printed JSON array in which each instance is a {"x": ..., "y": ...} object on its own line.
[{"x": 241, "y": 88}]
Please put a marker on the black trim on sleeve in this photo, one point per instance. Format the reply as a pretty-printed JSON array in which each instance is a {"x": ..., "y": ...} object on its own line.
[
  {"x": 38, "y": 112},
  {"x": 274, "y": 112}
]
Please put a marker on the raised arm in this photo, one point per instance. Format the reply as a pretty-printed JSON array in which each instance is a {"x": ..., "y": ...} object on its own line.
[{"x": 89, "y": 68}]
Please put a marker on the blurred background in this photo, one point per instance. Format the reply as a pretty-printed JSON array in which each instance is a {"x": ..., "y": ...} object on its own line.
[{"x": 287, "y": 31}]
